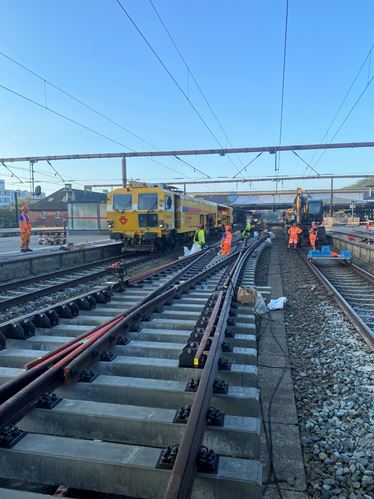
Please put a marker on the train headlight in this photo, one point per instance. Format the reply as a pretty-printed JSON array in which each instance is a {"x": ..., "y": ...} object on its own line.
[
  {"x": 161, "y": 224},
  {"x": 110, "y": 223}
]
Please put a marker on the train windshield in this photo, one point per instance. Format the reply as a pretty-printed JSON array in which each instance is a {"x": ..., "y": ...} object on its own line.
[
  {"x": 314, "y": 207},
  {"x": 147, "y": 202},
  {"x": 122, "y": 202}
]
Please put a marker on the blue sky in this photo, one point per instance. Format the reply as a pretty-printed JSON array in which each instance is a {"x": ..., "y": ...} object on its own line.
[{"x": 235, "y": 50}]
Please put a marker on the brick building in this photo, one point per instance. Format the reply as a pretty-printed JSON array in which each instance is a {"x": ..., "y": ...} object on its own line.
[{"x": 52, "y": 211}]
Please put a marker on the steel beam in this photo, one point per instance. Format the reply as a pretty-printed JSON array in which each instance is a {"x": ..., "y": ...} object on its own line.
[{"x": 191, "y": 152}]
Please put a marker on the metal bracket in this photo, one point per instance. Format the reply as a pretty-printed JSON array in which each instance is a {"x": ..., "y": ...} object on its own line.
[
  {"x": 207, "y": 460},
  {"x": 41, "y": 320},
  {"x": 167, "y": 457},
  {"x": 182, "y": 414},
  {"x": 48, "y": 400},
  {"x": 192, "y": 385},
  {"x": 220, "y": 386},
  {"x": 226, "y": 347},
  {"x": 87, "y": 375},
  {"x": 223, "y": 364},
  {"x": 83, "y": 304},
  {"x": 10, "y": 435},
  {"x": 66, "y": 311},
  {"x": 107, "y": 356},
  {"x": 122, "y": 340},
  {"x": 53, "y": 317},
  {"x": 186, "y": 358},
  {"x": 214, "y": 417}
]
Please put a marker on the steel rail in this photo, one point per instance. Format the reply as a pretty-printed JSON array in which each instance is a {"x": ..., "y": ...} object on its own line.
[
  {"x": 20, "y": 395},
  {"x": 33, "y": 279},
  {"x": 182, "y": 476},
  {"x": 362, "y": 273},
  {"x": 154, "y": 300},
  {"x": 208, "y": 330},
  {"x": 130, "y": 281},
  {"x": 32, "y": 295},
  {"x": 355, "y": 319}
]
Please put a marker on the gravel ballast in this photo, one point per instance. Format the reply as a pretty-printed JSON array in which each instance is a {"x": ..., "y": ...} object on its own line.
[
  {"x": 73, "y": 291},
  {"x": 333, "y": 373}
]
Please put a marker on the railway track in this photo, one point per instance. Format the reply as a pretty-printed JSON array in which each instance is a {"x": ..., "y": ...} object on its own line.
[
  {"x": 353, "y": 290},
  {"x": 152, "y": 394},
  {"x": 26, "y": 289}
]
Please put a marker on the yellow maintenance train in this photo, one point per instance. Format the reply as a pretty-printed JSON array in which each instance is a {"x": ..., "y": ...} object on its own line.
[{"x": 147, "y": 217}]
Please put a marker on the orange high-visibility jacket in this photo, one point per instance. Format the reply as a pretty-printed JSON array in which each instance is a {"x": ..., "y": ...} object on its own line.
[{"x": 294, "y": 231}]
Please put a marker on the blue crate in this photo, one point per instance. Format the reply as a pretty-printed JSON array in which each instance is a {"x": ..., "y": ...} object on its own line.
[
  {"x": 346, "y": 254},
  {"x": 315, "y": 253},
  {"x": 326, "y": 250}
]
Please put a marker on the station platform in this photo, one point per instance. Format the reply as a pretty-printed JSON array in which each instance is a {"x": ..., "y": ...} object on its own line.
[{"x": 10, "y": 246}]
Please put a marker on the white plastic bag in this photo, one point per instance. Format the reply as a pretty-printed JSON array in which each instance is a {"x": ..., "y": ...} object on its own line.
[
  {"x": 260, "y": 305},
  {"x": 278, "y": 303},
  {"x": 195, "y": 248}
]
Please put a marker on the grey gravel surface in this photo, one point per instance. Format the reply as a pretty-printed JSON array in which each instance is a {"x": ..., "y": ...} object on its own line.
[{"x": 333, "y": 373}]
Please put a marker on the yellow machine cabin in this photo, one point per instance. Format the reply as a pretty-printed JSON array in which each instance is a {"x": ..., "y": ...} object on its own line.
[{"x": 147, "y": 216}]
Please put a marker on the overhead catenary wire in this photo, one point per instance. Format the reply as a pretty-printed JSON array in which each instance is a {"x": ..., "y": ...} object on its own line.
[
  {"x": 246, "y": 166},
  {"x": 12, "y": 173},
  {"x": 189, "y": 72},
  {"x": 277, "y": 155},
  {"x": 56, "y": 172},
  {"x": 169, "y": 73},
  {"x": 196, "y": 169},
  {"x": 71, "y": 120},
  {"x": 45, "y": 82},
  {"x": 76, "y": 99},
  {"x": 307, "y": 164},
  {"x": 368, "y": 57},
  {"x": 346, "y": 117}
]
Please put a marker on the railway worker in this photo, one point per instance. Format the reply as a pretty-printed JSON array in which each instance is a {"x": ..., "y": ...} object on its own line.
[
  {"x": 199, "y": 237},
  {"x": 226, "y": 241},
  {"x": 294, "y": 232},
  {"x": 313, "y": 233},
  {"x": 25, "y": 229},
  {"x": 247, "y": 229}
]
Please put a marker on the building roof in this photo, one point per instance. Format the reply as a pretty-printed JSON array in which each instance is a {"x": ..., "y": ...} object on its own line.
[{"x": 59, "y": 200}]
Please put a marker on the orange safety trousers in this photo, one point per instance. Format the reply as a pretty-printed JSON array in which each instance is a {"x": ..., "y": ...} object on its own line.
[
  {"x": 25, "y": 231},
  {"x": 312, "y": 239},
  {"x": 226, "y": 248},
  {"x": 25, "y": 238}
]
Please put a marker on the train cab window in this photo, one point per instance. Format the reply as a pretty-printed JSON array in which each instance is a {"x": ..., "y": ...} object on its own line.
[
  {"x": 122, "y": 202},
  {"x": 168, "y": 203},
  {"x": 148, "y": 220},
  {"x": 147, "y": 202}
]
